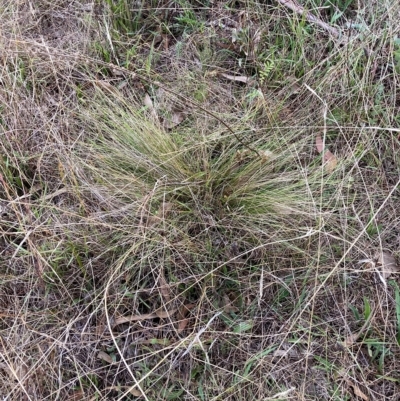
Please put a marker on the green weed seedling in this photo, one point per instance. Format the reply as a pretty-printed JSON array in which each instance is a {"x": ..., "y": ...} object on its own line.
[
  {"x": 337, "y": 8},
  {"x": 378, "y": 351},
  {"x": 123, "y": 18},
  {"x": 396, "y": 54},
  {"x": 188, "y": 22},
  {"x": 325, "y": 365}
]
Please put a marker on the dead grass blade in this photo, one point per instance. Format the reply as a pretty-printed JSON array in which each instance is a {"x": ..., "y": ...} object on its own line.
[
  {"x": 162, "y": 314},
  {"x": 105, "y": 357}
]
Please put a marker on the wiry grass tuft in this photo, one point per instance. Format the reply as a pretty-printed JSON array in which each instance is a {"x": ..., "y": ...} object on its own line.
[{"x": 199, "y": 202}]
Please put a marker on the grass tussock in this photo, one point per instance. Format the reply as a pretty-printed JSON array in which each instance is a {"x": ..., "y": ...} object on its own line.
[{"x": 199, "y": 202}]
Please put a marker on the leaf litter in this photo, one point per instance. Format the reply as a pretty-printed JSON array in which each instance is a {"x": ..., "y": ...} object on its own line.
[{"x": 328, "y": 157}]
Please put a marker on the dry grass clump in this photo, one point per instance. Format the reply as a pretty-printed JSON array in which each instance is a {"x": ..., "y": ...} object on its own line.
[{"x": 169, "y": 231}]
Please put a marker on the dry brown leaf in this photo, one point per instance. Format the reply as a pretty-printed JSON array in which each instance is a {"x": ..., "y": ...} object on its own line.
[
  {"x": 149, "y": 104},
  {"x": 107, "y": 86},
  {"x": 117, "y": 72},
  {"x": 105, "y": 357},
  {"x": 292, "y": 86},
  {"x": 152, "y": 221},
  {"x": 328, "y": 157},
  {"x": 331, "y": 161},
  {"x": 182, "y": 324},
  {"x": 183, "y": 320},
  {"x": 356, "y": 389},
  {"x": 166, "y": 207},
  {"x": 163, "y": 211},
  {"x": 134, "y": 318},
  {"x": 319, "y": 143},
  {"x": 135, "y": 392},
  {"x": 359, "y": 393},
  {"x": 388, "y": 264},
  {"x": 228, "y": 307},
  {"x": 165, "y": 41},
  {"x": 236, "y": 78},
  {"x": 351, "y": 339},
  {"x": 165, "y": 289},
  {"x": 76, "y": 396},
  {"x": 175, "y": 119},
  {"x": 212, "y": 73},
  {"x": 160, "y": 313}
]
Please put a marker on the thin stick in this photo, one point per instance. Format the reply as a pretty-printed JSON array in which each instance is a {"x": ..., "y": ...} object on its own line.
[{"x": 297, "y": 8}]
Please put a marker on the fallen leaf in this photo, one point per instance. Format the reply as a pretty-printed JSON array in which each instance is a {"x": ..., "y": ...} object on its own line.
[
  {"x": 358, "y": 392},
  {"x": 175, "y": 119},
  {"x": 182, "y": 324},
  {"x": 134, "y": 318},
  {"x": 388, "y": 264},
  {"x": 356, "y": 389},
  {"x": 135, "y": 392},
  {"x": 328, "y": 157},
  {"x": 105, "y": 357},
  {"x": 76, "y": 396},
  {"x": 165, "y": 41},
  {"x": 228, "y": 307},
  {"x": 353, "y": 338},
  {"x": 236, "y": 78},
  {"x": 149, "y": 104},
  {"x": 106, "y": 86},
  {"x": 165, "y": 289},
  {"x": 160, "y": 313},
  {"x": 212, "y": 73},
  {"x": 281, "y": 352},
  {"x": 331, "y": 161},
  {"x": 182, "y": 319},
  {"x": 117, "y": 72},
  {"x": 163, "y": 211}
]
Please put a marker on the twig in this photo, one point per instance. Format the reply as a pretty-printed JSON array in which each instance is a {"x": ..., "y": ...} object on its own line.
[{"x": 297, "y": 8}]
